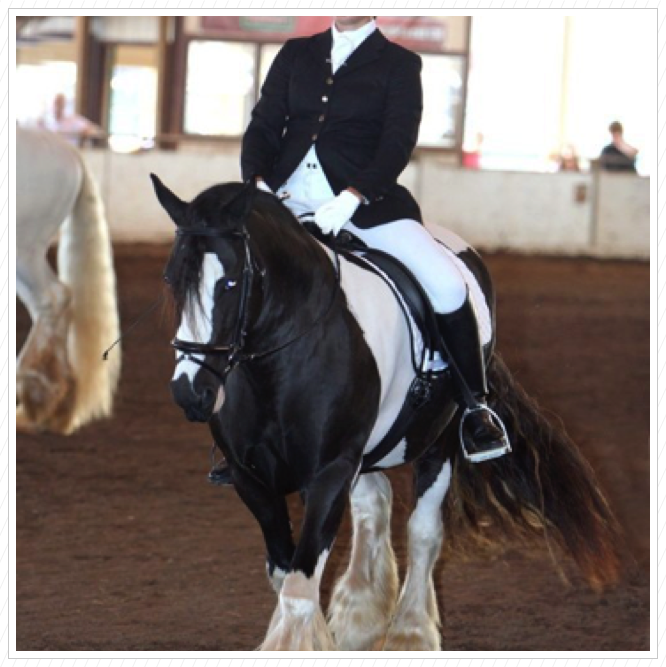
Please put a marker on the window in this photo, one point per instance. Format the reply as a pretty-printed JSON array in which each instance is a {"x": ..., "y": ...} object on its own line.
[
  {"x": 133, "y": 97},
  {"x": 268, "y": 53},
  {"x": 38, "y": 84},
  {"x": 515, "y": 88},
  {"x": 442, "y": 78},
  {"x": 220, "y": 87},
  {"x": 44, "y": 68}
]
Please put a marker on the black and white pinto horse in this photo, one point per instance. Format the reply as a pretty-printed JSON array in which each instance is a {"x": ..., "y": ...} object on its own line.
[
  {"x": 300, "y": 362},
  {"x": 61, "y": 380}
]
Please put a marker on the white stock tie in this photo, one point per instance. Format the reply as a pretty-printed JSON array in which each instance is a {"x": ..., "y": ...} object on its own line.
[{"x": 342, "y": 49}]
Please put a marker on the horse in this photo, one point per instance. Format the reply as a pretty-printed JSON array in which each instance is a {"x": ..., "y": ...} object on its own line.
[
  {"x": 61, "y": 380},
  {"x": 299, "y": 360}
]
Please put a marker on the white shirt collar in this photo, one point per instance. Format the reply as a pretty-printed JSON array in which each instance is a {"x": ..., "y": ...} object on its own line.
[{"x": 356, "y": 37}]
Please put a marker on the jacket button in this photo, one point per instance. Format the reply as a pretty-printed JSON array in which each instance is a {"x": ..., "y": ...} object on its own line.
[
  {"x": 322, "y": 118},
  {"x": 329, "y": 81},
  {"x": 324, "y": 99},
  {"x": 315, "y": 137}
]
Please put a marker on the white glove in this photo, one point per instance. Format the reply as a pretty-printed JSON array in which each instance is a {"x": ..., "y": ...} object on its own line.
[
  {"x": 335, "y": 214},
  {"x": 261, "y": 185}
]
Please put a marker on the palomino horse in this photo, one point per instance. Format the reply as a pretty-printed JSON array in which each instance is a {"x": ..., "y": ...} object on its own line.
[
  {"x": 61, "y": 380},
  {"x": 300, "y": 361}
]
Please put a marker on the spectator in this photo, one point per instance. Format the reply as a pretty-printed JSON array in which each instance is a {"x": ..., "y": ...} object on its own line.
[
  {"x": 568, "y": 160},
  {"x": 618, "y": 155},
  {"x": 72, "y": 126}
]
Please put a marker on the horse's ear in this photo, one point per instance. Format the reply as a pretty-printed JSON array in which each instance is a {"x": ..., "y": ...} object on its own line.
[
  {"x": 241, "y": 205},
  {"x": 174, "y": 206}
]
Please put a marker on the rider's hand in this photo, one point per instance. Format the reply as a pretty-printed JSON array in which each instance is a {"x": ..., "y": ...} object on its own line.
[{"x": 334, "y": 215}]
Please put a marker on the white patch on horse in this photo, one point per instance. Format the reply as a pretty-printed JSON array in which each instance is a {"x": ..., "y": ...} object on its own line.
[
  {"x": 364, "y": 598},
  {"x": 277, "y": 578},
  {"x": 396, "y": 457},
  {"x": 416, "y": 621},
  {"x": 298, "y": 623},
  {"x": 373, "y": 304},
  {"x": 299, "y": 586},
  {"x": 417, "y": 337},
  {"x": 424, "y": 519},
  {"x": 219, "y": 401},
  {"x": 196, "y": 326}
]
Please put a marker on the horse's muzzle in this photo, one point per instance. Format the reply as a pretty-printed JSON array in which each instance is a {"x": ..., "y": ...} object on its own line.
[
  {"x": 198, "y": 404},
  {"x": 197, "y": 414}
]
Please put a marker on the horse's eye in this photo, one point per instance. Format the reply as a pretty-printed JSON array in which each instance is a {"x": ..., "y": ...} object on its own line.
[
  {"x": 167, "y": 278},
  {"x": 230, "y": 284}
]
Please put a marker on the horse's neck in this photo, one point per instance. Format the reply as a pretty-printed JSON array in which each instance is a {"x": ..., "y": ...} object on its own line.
[{"x": 299, "y": 285}]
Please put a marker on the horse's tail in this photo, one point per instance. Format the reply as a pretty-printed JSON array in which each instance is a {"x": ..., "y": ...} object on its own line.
[
  {"x": 543, "y": 488},
  {"x": 85, "y": 264}
]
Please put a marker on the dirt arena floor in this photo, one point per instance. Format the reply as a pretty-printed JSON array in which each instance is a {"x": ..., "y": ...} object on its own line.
[{"x": 123, "y": 545}]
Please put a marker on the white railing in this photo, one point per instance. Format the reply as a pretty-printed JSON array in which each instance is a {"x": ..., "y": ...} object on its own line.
[{"x": 597, "y": 214}]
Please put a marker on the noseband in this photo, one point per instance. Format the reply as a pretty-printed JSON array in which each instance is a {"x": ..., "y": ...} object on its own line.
[{"x": 235, "y": 350}]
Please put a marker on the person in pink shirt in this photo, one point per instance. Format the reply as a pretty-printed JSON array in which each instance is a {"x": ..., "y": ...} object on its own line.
[{"x": 74, "y": 127}]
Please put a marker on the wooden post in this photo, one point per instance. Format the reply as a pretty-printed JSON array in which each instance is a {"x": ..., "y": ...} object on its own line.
[
  {"x": 460, "y": 138},
  {"x": 163, "y": 75},
  {"x": 171, "y": 80},
  {"x": 83, "y": 55}
]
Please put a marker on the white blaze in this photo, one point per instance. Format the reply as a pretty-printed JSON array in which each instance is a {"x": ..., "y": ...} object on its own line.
[{"x": 197, "y": 326}]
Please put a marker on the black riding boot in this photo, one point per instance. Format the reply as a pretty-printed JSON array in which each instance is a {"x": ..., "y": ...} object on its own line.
[{"x": 482, "y": 436}]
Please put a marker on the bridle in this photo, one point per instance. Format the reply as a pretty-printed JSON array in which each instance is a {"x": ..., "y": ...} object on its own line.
[{"x": 235, "y": 349}]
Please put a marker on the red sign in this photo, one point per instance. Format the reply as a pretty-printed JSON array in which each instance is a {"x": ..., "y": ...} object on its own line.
[{"x": 419, "y": 33}]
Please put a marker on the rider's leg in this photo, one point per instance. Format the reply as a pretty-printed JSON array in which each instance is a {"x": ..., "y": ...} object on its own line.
[{"x": 412, "y": 244}]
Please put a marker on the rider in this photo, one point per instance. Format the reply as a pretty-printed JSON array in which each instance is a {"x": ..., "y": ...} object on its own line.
[{"x": 336, "y": 125}]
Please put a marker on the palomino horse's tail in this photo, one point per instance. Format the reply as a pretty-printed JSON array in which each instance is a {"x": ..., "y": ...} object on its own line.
[
  {"x": 544, "y": 488},
  {"x": 85, "y": 264}
]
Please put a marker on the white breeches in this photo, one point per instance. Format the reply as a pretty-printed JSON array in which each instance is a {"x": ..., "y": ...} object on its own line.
[
  {"x": 412, "y": 244},
  {"x": 406, "y": 240}
]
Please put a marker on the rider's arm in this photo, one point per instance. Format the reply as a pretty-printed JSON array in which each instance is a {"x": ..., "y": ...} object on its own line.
[
  {"x": 261, "y": 141},
  {"x": 402, "y": 118}
]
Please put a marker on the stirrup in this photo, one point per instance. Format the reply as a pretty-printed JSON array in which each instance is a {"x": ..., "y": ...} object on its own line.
[{"x": 490, "y": 454}]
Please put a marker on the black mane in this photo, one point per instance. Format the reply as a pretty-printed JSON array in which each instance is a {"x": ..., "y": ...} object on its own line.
[{"x": 228, "y": 207}]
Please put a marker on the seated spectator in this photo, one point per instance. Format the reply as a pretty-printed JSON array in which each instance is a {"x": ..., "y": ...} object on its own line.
[{"x": 568, "y": 159}]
